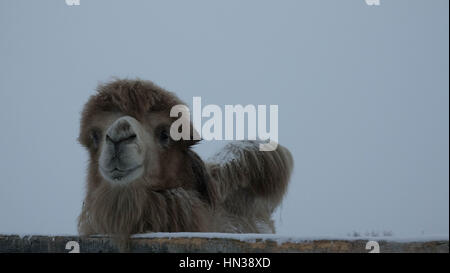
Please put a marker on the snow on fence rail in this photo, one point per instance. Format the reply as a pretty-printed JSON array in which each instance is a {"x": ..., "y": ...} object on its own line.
[{"x": 221, "y": 242}]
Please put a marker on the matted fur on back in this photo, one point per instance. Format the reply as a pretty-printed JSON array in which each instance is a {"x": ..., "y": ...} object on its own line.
[{"x": 251, "y": 184}]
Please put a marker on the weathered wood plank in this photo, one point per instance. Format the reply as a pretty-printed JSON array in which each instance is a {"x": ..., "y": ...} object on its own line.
[{"x": 96, "y": 244}]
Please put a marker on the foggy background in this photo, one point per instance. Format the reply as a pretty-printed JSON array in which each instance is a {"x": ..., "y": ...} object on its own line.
[{"x": 362, "y": 92}]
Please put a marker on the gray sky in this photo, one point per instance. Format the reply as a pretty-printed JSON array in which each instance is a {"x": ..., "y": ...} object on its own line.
[{"x": 362, "y": 91}]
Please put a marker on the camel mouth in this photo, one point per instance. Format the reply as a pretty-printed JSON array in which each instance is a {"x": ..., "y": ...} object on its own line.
[{"x": 117, "y": 175}]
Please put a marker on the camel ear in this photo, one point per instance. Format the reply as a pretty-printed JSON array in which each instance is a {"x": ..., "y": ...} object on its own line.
[
  {"x": 202, "y": 178},
  {"x": 194, "y": 137}
]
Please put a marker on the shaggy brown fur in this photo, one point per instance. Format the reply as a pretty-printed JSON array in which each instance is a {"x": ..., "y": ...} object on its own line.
[{"x": 236, "y": 191}]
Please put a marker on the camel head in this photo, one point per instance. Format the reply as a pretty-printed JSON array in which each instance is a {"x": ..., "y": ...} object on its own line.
[{"x": 126, "y": 129}]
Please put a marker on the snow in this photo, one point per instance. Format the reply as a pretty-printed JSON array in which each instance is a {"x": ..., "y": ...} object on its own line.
[
  {"x": 280, "y": 239},
  {"x": 233, "y": 150}
]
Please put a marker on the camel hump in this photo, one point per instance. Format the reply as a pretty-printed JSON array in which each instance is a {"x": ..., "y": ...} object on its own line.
[{"x": 242, "y": 171}]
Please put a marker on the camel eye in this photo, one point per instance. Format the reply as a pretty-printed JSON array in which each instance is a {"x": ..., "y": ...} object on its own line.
[
  {"x": 95, "y": 138},
  {"x": 164, "y": 137}
]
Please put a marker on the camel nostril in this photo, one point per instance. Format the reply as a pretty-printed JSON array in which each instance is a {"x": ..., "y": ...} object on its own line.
[
  {"x": 124, "y": 139},
  {"x": 121, "y": 132},
  {"x": 130, "y": 138},
  {"x": 109, "y": 139}
]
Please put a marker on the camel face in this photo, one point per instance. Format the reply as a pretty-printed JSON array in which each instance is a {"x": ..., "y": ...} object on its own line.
[
  {"x": 126, "y": 130},
  {"x": 131, "y": 149},
  {"x": 123, "y": 151}
]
